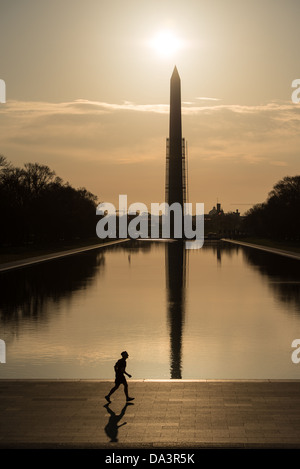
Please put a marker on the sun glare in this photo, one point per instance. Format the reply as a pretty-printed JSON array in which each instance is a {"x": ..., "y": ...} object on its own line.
[{"x": 166, "y": 44}]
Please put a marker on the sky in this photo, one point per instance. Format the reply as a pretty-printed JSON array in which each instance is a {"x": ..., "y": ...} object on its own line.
[{"x": 87, "y": 93}]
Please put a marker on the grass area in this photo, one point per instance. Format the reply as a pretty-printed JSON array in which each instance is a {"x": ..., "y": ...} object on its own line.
[
  {"x": 284, "y": 245},
  {"x": 15, "y": 253}
]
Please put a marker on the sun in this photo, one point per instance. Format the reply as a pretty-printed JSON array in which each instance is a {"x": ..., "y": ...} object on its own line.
[{"x": 166, "y": 44}]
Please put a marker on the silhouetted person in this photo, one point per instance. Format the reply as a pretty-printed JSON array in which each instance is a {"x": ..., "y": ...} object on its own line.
[
  {"x": 112, "y": 427},
  {"x": 120, "y": 378}
]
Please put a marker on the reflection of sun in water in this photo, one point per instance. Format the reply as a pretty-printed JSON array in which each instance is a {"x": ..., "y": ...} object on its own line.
[{"x": 166, "y": 44}]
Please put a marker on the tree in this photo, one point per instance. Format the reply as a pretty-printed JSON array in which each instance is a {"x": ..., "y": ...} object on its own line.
[
  {"x": 286, "y": 191},
  {"x": 278, "y": 217},
  {"x": 37, "y": 206},
  {"x": 37, "y": 177},
  {"x": 4, "y": 163}
]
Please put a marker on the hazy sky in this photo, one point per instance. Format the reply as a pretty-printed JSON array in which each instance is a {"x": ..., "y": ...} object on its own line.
[{"x": 88, "y": 95}]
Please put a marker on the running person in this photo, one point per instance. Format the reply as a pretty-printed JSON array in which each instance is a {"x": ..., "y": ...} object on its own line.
[{"x": 120, "y": 367}]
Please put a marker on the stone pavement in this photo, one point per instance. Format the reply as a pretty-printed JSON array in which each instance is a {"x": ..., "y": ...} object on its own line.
[{"x": 165, "y": 414}]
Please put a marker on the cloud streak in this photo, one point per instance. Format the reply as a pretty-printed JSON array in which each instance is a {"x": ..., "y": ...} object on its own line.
[
  {"x": 205, "y": 98},
  {"x": 133, "y": 128},
  {"x": 283, "y": 110},
  {"x": 129, "y": 132}
]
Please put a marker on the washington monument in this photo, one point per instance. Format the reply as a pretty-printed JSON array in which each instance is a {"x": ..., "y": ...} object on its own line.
[{"x": 175, "y": 163}]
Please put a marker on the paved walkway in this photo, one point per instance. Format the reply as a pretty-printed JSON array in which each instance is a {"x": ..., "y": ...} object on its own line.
[
  {"x": 165, "y": 414},
  {"x": 50, "y": 257},
  {"x": 281, "y": 252}
]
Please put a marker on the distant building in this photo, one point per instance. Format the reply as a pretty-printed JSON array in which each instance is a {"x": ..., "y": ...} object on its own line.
[
  {"x": 218, "y": 223},
  {"x": 216, "y": 210}
]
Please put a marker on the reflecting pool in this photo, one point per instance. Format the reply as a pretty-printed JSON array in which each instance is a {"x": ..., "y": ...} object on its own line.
[{"x": 220, "y": 312}]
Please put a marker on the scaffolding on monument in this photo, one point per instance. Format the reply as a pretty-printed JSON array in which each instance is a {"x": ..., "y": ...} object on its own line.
[{"x": 184, "y": 170}]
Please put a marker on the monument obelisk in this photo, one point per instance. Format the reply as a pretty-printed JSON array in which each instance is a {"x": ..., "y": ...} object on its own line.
[
  {"x": 175, "y": 167},
  {"x": 175, "y": 176}
]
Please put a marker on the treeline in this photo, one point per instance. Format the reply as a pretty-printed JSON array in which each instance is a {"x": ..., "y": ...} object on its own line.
[
  {"x": 279, "y": 216},
  {"x": 36, "y": 206}
]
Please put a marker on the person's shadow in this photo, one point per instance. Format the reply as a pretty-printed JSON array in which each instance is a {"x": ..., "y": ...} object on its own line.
[{"x": 112, "y": 427}]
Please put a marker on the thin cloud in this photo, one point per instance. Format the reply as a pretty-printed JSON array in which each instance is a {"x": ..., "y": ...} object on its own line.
[
  {"x": 206, "y": 98},
  {"x": 79, "y": 106},
  {"x": 283, "y": 111},
  {"x": 118, "y": 130},
  {"x": 279, "y": 163}
]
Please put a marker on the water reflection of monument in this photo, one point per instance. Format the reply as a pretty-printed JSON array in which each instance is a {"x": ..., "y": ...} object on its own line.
[{"x": 175, "y": 283}]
